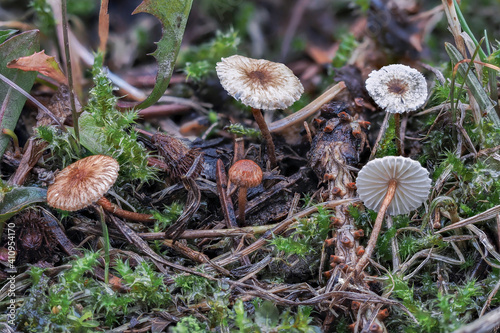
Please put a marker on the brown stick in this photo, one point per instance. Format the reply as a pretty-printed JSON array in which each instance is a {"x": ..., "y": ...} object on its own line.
[
  {"x": 225, "y": 200},
  {"x": 308, "y": 110},
  {"x": 391, "y": 190},
  {"x": 211, "y": 233},
  {"x": 239, "y": 149},
  {"x": 114, "y": 209},
  {"x": 267, "y": 136}
]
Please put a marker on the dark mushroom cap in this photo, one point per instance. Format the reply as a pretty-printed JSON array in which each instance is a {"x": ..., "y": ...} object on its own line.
[
  {"x": 245, "y": 173},
  {"x": 83, "y": 182}
]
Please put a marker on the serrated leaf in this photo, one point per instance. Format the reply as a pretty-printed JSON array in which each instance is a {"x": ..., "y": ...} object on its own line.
[
  {"x": 12, "y": 101},
  {"x": 19, "y": 198},
  {"x": 173, "y": 16}
]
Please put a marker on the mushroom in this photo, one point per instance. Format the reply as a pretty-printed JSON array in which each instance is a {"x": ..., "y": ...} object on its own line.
[
  {"x": 83, "y": 182},
  {"x": 397, "y": 89},
  {"x": 262, "y": 85},
  {"x": 86, "y": 181},
  {"x": 244, "y": 174},
  {"x": 393, "y": 185}
]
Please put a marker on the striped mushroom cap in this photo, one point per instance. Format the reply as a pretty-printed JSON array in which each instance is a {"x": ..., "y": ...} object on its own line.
[
  {"x": 245, "y": 173},
  {"x": 259, "y": 83},
  {"x": 397, "y": 88},
  {"x": 83, "y": 182},
  {"x": 413, "y": 184}
]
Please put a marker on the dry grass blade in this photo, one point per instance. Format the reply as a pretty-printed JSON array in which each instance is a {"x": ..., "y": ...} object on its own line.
[
  {"x": 489, "y": 214},
  {"x": 484, "y": 324}
]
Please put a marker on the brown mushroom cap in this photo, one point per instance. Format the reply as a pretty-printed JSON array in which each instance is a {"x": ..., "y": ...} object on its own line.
[
  {"x": 245, "y": 173},
  {"x": 259, "y": 83},
  {"x": 83, "y": 182},
  {"x": 413, "y": 184}
]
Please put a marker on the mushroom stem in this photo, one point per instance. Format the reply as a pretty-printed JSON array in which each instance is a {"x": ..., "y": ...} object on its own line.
[
  {"x": 257, "y": 114},
  {"x": 242, "y": 202},
  {"x": 114, "y": 209},
  {"x": 391, "y": 190},
  {"x": 397, "y": 132}
]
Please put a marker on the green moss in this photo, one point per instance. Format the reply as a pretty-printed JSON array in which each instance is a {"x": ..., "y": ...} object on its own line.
[
  {"x": 387, "y": 146},
  {"x": 444, "y": 313},
  {"x": 106, "y": 130},
  {"x": 240, "y": 130},
  {"x": 308, "y": 236},
  {"x": 199, "y": 62}
]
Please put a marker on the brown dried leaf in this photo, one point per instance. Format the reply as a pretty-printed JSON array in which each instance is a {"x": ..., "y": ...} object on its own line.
[
  {"x": 42, "y": 63},
  {"x": 60, "y": 106}
]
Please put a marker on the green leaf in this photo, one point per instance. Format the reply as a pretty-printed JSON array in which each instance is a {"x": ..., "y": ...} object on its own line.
[
  {"x": 6, "y": 34},
  {"x": 267, "y": 315},
  {"x": 12, "y": 101},
  {"x": 173, "y": 16},
  {"x": 92, "y": 137},
  {"x": 18, "y": 199}
]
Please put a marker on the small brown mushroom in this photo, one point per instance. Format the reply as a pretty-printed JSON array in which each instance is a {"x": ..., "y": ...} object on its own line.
[{"x": 244, "y": 174}]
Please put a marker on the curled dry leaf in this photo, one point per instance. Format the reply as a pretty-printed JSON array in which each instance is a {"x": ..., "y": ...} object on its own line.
[{"x": 40, "y": 62}]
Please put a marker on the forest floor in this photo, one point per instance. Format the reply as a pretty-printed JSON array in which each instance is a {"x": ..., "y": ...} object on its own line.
[{"x": 187, "y": 219}]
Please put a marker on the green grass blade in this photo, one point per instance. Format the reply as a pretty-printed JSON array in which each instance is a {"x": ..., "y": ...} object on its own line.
[
  {"x": 11, "y": 101},
  {"x": 474, "y": 85}
]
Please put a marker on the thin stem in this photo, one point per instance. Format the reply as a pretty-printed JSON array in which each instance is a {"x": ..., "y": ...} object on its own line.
[
  {"x": 69, "y": 72},
  {"x": 397, "y": 132},
  {"x": 257, "y": 114},
  {"x": 15, "y": 141},
  {"x": 114, "y": 209},
  {"x": 34, "y": 100},
  {"x": 105, "y": 235},
  {"x": 391, "y": 190},
  {"x": 242, "y": 202}
]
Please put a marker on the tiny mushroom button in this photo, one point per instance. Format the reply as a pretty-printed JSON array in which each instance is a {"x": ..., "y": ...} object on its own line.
[{"x": 245, "y": 174}]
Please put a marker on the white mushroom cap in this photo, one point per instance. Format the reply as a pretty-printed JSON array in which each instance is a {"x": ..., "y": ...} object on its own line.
[
  {"x": 259, "y": 83},
  {"x": 397, "y": 88},
  {"x": 413, "y": 184},
  {"x": 83, "y": 182}
]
